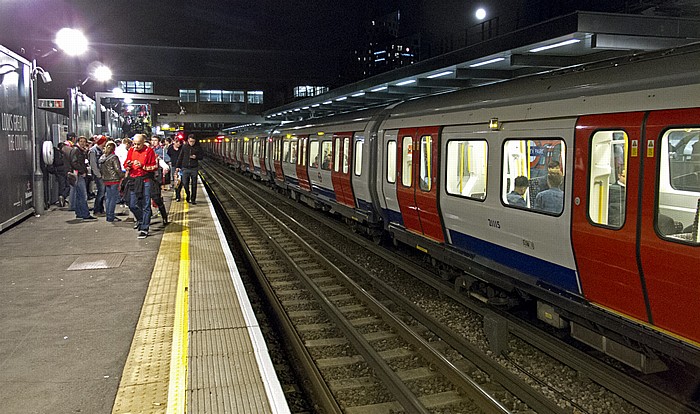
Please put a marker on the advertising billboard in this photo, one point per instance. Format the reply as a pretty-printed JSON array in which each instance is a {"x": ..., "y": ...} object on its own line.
[{"x": 16, "y": 147}]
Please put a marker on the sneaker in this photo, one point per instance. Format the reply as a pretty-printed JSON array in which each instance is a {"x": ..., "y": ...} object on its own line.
[
  {"x": 61, "y": 201},
  {"x": 177, "y": 199},
  {"x": 89, "y": 218},
  {"x": 136, "y": 226},
  {"x": 194, "y": 203},
  {"x": 165, "y": 221},
  {"x": 142, "y": 234}
]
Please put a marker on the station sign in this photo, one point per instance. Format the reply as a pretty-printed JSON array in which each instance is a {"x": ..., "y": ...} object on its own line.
[{"x": 51, "y": 103}]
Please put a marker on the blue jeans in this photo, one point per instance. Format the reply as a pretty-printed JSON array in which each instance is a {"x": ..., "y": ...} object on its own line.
[
  {"x": 80, "y": 197},
  {"x": 142, "y": 210},
  {"x": 189, "y": 178},
  {"x": 100, "y": 197},
  {"x": 111, "y": 198}
]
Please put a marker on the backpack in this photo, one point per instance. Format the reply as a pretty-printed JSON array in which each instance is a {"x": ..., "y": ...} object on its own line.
[{"x": 57, "y": 158}]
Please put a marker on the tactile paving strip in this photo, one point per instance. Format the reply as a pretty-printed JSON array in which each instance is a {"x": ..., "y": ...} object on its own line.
[{"x": 144, "y": 383}]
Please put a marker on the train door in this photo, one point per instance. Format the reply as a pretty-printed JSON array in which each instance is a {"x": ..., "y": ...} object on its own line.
[
  {"x": 342, "y": 151},
  {"x": 277, "y": 158},
  {"x": 605, "y": 211},
  {"x": 670, "y": 242},
  {"x": 417, "y": 181},
  {"x": 255, "y": 156},
  {"x": 302, "y": 172},
  {"x": 263, "y": 148}
]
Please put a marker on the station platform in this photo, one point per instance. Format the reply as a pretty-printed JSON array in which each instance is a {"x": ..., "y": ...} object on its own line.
[{"x": 94, "y": 320}]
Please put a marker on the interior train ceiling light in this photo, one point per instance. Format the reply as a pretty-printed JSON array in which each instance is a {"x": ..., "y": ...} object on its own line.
[
  {"x": 487, "y": 62},
  {"x": 437, "y": 75},
  {"x": 564, "y": 43}
]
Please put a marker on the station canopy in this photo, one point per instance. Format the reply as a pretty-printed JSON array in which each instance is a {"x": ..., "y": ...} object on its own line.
[{"x": 576, "y": 39}]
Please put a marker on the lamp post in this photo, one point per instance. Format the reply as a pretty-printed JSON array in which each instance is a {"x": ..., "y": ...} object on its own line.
[{"x": 73, "y": 43}]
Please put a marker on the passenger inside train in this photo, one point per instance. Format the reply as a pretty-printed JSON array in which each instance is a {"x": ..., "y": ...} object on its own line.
[
  {"x": 552, "y": 199},
  {"x": 516, "y": 197}
]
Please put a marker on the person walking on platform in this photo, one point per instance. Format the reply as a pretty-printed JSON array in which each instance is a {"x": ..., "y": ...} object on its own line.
[
  {"x": 140, "y": 163},
  {"x": 78, "y": 163},
  {"x": 112, "y": 173},
  {"x": 188, "y": 162},
  {"x": 174, "y": 154},
  {"x": 94, "y": 158}
]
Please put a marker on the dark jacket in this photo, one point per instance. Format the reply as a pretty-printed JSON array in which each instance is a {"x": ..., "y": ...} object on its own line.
[
  {"x": 110, "y": 168},
  {"x": 185, "y": 161},
  {"x": 77, "y": 160}
]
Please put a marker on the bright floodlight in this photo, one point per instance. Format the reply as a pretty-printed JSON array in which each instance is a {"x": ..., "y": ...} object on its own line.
[
  {"x": 480, "y": 14},
  {"x": 71, "y": 41},
  {"x": 103, "y": 74}
]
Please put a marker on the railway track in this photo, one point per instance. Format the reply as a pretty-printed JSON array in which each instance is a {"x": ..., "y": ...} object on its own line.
[
  {"x": 404, "y": 349},
  {"x": 640, "y": 395}
]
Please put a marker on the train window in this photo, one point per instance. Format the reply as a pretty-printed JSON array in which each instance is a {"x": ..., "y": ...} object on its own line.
[
  {"x": 608, "y": 178},
  {"x": 336, "y": 158},
  {"x": 466, "y": 168},
  {"x": 678, "y": 209},
  {"x": 313, "y": 154},
  {"x": 391, "y": 161},
  {"x": 540, "y": 161},
  {"x": 304, "y": 150},
  {"x": 293, "y": 151},
  {"x": 358, "y": 157},
  {"x": 346, "y": 153},
  {"x": 256, "y": 148},
  {"x": 285, "y": 153},
  {"x": 326, "y": 149},
  {"x": 407, "y": 165},
  {"x": 426, "y": 145}
]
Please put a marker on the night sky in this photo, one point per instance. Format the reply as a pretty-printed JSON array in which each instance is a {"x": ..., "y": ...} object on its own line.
[{"x": 236, "y": 40}]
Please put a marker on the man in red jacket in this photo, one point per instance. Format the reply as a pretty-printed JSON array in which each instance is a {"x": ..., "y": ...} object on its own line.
[{"x": 140, "y": 163}]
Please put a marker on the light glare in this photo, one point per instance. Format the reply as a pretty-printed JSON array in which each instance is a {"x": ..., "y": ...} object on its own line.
[{"x": 71, "y": 41}]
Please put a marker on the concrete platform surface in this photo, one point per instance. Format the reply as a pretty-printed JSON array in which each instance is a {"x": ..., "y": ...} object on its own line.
[{"x": 70, "y": 297}]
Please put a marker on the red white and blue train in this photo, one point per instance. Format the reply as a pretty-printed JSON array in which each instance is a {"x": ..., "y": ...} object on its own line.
[{"x": 617, "y": 261}]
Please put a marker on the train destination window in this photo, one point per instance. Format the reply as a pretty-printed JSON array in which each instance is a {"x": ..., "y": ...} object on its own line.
[
  {"x": 466, "y": 168},
  {"x": 346, "y": 152},
  {"x": 426, "y": 145},
  {"x": 313, "y": 154},
  {"x": 336, "y": 158},
  {"x": 406, "y": 167},
  {"x": 358, "y": 157},
  {"x": 540, "y": 161},
  {"x": 607, "y": 180},
  {"x": 391, "y": 161},
  {"x": 326, "y": 150},
  {"x": 678, "y": 209}
]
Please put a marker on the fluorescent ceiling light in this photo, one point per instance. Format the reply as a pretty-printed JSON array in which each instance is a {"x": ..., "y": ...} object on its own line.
[
  {"x": 304, "y": 107},
  {"x": 406, "y": 82},
  {"x": 564, "y": 43},
  {"x": 342, "y": 98},
  {"x": 487, "y": 62},
  {"x": 315, "y": 105},
  {"x": 328, "y": 102},
  {"x": 437, "y": 75},
  {"x": 381, "y": 88},
  {"x": 357, "y": 94}
]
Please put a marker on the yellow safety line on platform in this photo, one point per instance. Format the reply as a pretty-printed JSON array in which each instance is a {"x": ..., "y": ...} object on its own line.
[{"x": 177, "y": 388}]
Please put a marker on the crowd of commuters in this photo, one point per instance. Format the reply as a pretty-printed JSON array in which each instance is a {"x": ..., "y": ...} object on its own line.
[{"x": 131, "y": 170}]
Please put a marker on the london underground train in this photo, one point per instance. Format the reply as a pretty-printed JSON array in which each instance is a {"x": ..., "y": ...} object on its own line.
[{"x": 577, "y": 190}]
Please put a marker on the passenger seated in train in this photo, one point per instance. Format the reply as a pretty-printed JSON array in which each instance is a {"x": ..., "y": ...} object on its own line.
[
  {"x": 552, "y": 199},
  {"x": 315, "y": 163},
  {"x": 516, "y": 197},
  {"x": 616, "y": 200},
  {"x": 326, "y": 161}
]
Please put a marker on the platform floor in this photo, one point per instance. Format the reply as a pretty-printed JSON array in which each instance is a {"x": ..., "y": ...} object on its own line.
[{"x": 74, "y": 295}]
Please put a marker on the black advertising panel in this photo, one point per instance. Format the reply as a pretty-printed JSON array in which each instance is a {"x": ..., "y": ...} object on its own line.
[{"x": 16, "y": 149}]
